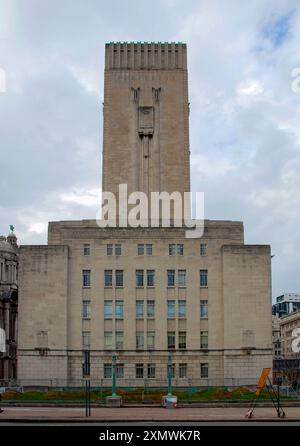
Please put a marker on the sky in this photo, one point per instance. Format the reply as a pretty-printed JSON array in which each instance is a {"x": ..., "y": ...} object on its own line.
[{"x": 244, "y": 120}]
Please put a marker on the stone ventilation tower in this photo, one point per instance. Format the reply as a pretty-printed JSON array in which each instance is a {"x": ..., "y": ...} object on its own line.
[{"x": 146, "y": 136}]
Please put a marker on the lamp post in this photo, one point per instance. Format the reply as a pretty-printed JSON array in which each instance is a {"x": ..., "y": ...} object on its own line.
[
  {"x": 170, "y": 375},
  {"x": 114, "y": 360}
]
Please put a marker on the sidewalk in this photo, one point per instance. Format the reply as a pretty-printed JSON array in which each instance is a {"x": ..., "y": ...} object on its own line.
[{"x": 129, "y": 414}]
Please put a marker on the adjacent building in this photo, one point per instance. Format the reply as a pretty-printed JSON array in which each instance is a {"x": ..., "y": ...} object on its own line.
[
  {"x": 9, "y": 259},
  {"x": 146, "y": 292},
  {"x": 286, "y": 303}
]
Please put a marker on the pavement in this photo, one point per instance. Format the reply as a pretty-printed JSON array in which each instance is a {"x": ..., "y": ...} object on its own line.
[{"x": 144, "y": 414}]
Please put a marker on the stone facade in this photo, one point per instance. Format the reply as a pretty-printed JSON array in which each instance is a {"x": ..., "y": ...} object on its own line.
[
  {"x": 9, "y": 259},
  {"x": 287, "y": 324},
  {"x": 146, "y": 292}
]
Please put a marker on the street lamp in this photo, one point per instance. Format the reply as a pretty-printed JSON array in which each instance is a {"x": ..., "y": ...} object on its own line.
[{"x": 114, "y": 360}]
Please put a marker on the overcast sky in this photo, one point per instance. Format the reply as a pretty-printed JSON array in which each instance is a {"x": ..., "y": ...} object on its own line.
[{"x": 244, "y": 122}]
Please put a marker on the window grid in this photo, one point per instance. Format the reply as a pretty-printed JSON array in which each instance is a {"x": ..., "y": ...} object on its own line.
[
  {"x": 86, "y": 278},
  {"x": 203, "y": 277}
]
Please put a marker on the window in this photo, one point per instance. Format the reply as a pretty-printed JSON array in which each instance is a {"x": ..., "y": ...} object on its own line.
[
  {"x": 139, "y": 340},
  {"x": 108, "y": 339},
  {"x": 181, "y": 308},
  {"x": 119, "y": 309},
  {"x": 150, "y": 277},
  {"x": 149, "y": 249},
  {"x": 180, "y": 249},
  {"x": 119, "y": 371},
  {"x": 203, "y": 249},
  {"x": 108, "y": 278},
  {"x": 203, "y": 309},
  {"x": 86, "y": 278},
  {"x": 172, "y": 250},
  {"x": 118, "y": 249},
  {"x": 119, "y": 340},
  {"x": 86, "y": 249},
  {"x": 171, "y": 339},
  {"x": 204, "y": 339},
  {"x": 182, "y": 339},
  {"x": 86, "y": 309},
  {"x": 107, "y": 370},
  {"x": 151, "y": 371},
  {"x": 139, "y": 274},
  {"x": 182, "y": 278},
  {"x": 119, "y": 278},
  {"x": 107, "y": 309},
  {"x": 203, "y": 277},
  {"x": 140, "y": 249},
  {"x": 109, "y": 249},
  {"x": 204, "y": 370},
  {"x": 171, "y": 277},
  {"x": 171, "y": 309},
  {"x": 86, "y": 340},
  {"x": 150, "y": 340},
  {"x": 150, "y": 308},
  {"x": 139, "y": 308},
  {"x": 182, "y": 370},
  {"x": 139, "y": 371}
]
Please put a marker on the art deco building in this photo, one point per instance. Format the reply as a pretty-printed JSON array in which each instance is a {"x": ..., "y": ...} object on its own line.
[{"x": 142, "y": 293}]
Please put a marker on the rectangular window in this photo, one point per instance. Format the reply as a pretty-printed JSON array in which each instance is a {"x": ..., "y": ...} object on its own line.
[
  {"x": 139, "y": 371},
  {"x": 150, "y": 308},
  {"x": 108, "y": 278},
  {"x": 108, "y": 339},
  {"x": 182, "y": 370},
  {"x": 171, "y": 277},
  {"x": 180, "y": 249},
  {"x": 120, "y": 371},
  {"x": 150, "y": 340},
  {"x": 172, "y": 249},
  {"x": 107, "y": 309},
  {"x": 182, "y": 278},
  {"x": 181, "y": 308},
  {"x": 151, "y": 371},
  {"x": 149, "y": 249},
  {"x": 139, "y": 340},
  {"x": 150, "y": 277},
  {"x": 203, "y": 249},
  {"x": 140, "y": 249},
  {"x": 86, "y": 340},
  {"x": 171, "y": 309},
  {"x": 119, "y": 309},
  {"x": 182, "y": 340},
  {"x": 204, "y": 339},
  {"x": 203, "y": 309},
  {"x": 204, "y": 370},
  {"x": 139, "y": 308},
  {"x": 119, "y": 340},
  {"x": 86, "y": 309},
  {"x": 86, "y": 249},
  {"x": 107, "y": 371},
  {"x": 203, "y": 277},
  {"x": 171, "y": 340},
  {"x": 118, "y": 249},
  {"x": 86, "y": 278},
  {"x": 139, "y": 274},
  {"x": 109, "y": 249},
  {"x": 119, "y": 278}
]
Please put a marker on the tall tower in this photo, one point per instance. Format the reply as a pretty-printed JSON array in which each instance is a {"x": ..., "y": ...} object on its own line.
[{"x": 146, "y": 114}]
